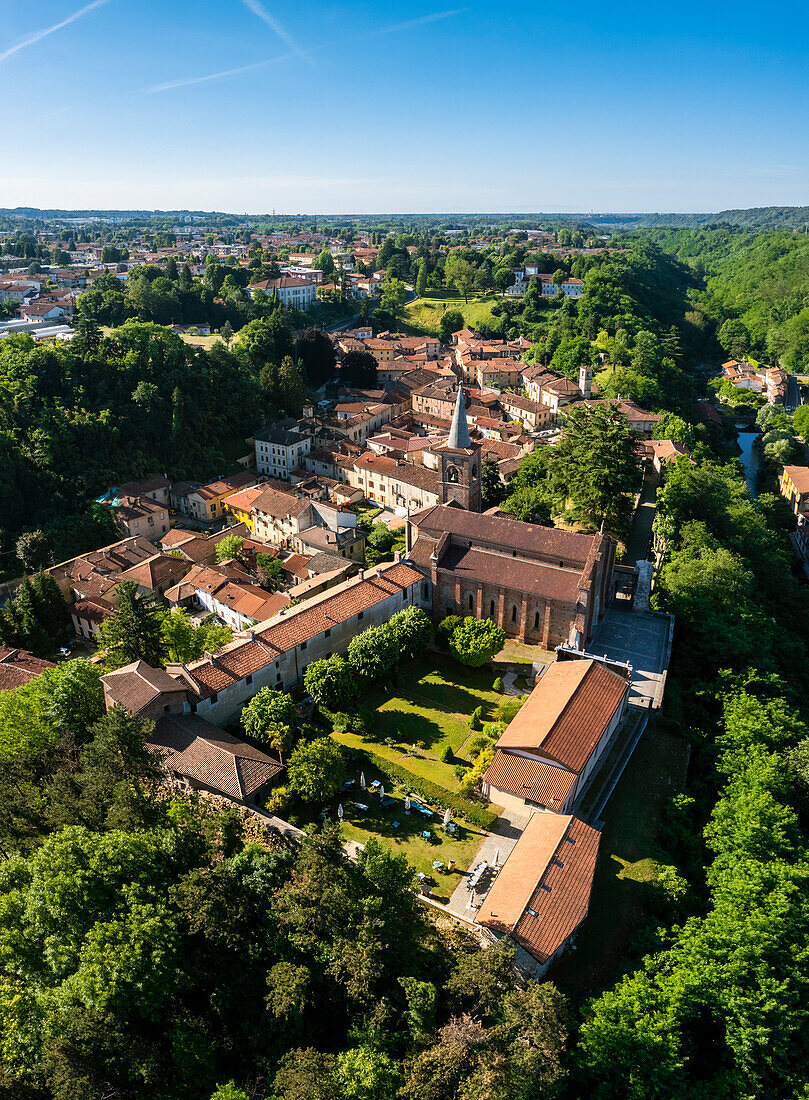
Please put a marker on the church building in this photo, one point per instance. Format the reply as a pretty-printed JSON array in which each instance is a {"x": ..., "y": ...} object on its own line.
[{"x": 543, "y": 586}]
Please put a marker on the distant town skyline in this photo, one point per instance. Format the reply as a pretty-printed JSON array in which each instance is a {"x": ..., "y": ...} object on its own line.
[{"x": 246, "y": 105}]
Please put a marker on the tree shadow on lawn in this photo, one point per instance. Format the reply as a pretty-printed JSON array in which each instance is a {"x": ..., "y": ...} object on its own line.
[
  {"x": 453, "y": 697},
  {"x": 408, "y": 727}
]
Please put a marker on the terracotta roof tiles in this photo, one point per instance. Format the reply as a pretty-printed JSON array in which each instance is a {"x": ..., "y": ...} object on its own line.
[{"x": 567, "y": 713}]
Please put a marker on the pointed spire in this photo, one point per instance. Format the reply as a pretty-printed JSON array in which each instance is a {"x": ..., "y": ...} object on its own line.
[{"x": 459, "y": 432}]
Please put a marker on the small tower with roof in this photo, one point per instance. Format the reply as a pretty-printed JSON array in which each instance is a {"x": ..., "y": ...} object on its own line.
[{"x": 459, "y": 460}]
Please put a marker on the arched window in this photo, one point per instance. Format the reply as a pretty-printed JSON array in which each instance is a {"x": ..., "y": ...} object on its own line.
[
  {"x": 491, "y": 610},
  {"x": 536, "y": 620},
  {"x": 474, "y": 470},
  {"x": 470, "y": 601},
  {"x": 514, "y": 613},
  {"x": 452, "y": 473}
]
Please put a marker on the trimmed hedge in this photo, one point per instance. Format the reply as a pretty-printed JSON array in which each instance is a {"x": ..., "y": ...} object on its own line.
[{"x": 475, "y": 812}]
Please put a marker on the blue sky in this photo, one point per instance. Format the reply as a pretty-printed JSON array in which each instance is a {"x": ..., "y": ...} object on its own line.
[{"x": 360, "y": 106}]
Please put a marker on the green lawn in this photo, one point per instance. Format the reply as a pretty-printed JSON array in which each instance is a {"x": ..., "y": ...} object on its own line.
[
  {"x": 630, "y": 851},
  {"x": 433, "y": 704},
  {"x": 406, "y": 839},
  {"x": 424, "y": 315},
  {"x": 430, "y": 708}
]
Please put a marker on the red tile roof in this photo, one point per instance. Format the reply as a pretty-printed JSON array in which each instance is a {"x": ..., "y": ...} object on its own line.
[
  {"x": 491, "y": 567},
  {"x": 542, "y": 893},
  {"x": 136, "y": 685},
  {"x": 18, "y": 667},
  {"x": 532, "y": 779},
  {"x": 244, "y": 657},
  {"x": 567, "y": 713},
  {"x": 194, "y": 748}
]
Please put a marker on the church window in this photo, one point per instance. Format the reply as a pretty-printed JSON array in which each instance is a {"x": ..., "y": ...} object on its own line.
[
  {"x": 536, "y": 620},
  {"x": 491, "y": 610},
  {"x": 452, "y": 473},
  {"x": 514, "y": 613},
  {"x": 474, "y": 470},
  {"x": 470, "y": 601}
]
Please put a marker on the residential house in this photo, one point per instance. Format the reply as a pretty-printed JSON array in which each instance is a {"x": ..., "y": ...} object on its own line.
[
  {"x": 794, "y": 486},
  {"x": 19, "y": 667},
  {"x": 393, "y": 483},
  {"x": 293, "y": 292},
  {"x": 139, "y": 516},
  {"x": 234, "y": 598},
  {"x": 201, "y": 757},
  {"x": 279, "y": 451},
  {"x": 273, "y": 516},
  {"x": 207, "y": 502},
  {"x": 95, "y": 573},
  {"x": 531, "y": 414},
  {"x": 640, "y": 420},
  {"x": 44, "y": 309}
]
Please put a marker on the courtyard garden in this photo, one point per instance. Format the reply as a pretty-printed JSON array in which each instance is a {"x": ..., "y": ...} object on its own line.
[{"x": 419, "y": 835}]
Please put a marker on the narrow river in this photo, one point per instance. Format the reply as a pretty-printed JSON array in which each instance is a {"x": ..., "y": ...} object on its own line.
[{"x": 750, "y": 457}]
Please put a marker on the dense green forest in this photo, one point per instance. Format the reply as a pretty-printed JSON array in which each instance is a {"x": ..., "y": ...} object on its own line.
[
  {"x": 76, "y": 419},
  {"x": 755, "y": 289}
]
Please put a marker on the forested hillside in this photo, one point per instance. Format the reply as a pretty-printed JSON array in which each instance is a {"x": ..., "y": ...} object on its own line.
[
  {"x": 756, "y": 289},
  {"x": 75, "y": 419}
]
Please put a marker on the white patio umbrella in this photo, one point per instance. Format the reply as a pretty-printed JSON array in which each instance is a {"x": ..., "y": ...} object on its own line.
[
  {"x": 381, "y": 792},
  {"x": 407, "y": 804},
  {"x": 362, "y": 781},
  {"x": 340, "y": 812},
  {"x": 447, "y": 817}
]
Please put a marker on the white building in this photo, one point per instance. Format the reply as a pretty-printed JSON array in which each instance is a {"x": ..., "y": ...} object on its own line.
[
  {"x": 279, "y": 452},
  {"x": 294, "y": 292}
]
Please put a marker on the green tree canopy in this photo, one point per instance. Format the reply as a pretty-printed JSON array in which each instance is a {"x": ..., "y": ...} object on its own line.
[
  {"x": 133, "y": 631},
  {"x": 331, "y": 682},
  {"x": 475, "y": 641},
  {"x": 316, "y": 770},
  {"x": 373, "y": 653},
  {"x": 596, "y": 465},
  {"x": 271, "y": 718}
]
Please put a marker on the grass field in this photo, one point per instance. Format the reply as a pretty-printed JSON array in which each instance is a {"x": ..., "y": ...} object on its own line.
[
  {"x": 630, "y": 851},
  {"x": 206, "y": 342},
  {"x": 424, "y": 315},
  {"x": 430, "y": 709}
]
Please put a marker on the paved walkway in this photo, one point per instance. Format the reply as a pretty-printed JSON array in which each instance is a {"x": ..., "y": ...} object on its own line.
[
  {"x": 640, "y": 540},
  {"x": 642, "y": 639},
  {"x": 496, "y": 847}
]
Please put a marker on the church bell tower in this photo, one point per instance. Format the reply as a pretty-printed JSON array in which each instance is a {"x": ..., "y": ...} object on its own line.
[{"x": 460, "y": 463}]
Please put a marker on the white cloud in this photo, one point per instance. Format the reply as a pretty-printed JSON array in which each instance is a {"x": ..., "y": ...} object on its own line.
[{"x": 37, "y": 36}]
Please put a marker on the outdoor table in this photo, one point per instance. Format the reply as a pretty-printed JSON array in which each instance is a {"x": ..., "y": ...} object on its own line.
[{"x": 438, "y": 865}]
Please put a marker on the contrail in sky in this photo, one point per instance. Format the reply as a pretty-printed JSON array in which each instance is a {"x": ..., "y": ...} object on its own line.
[
  {"x": 295, "y": 50},
  {"x": 257, "y": 8},
  {"x": 171, "y": 84},
  {"x": 39, "y": 35},
  {"x": 420, "y": 22}
]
